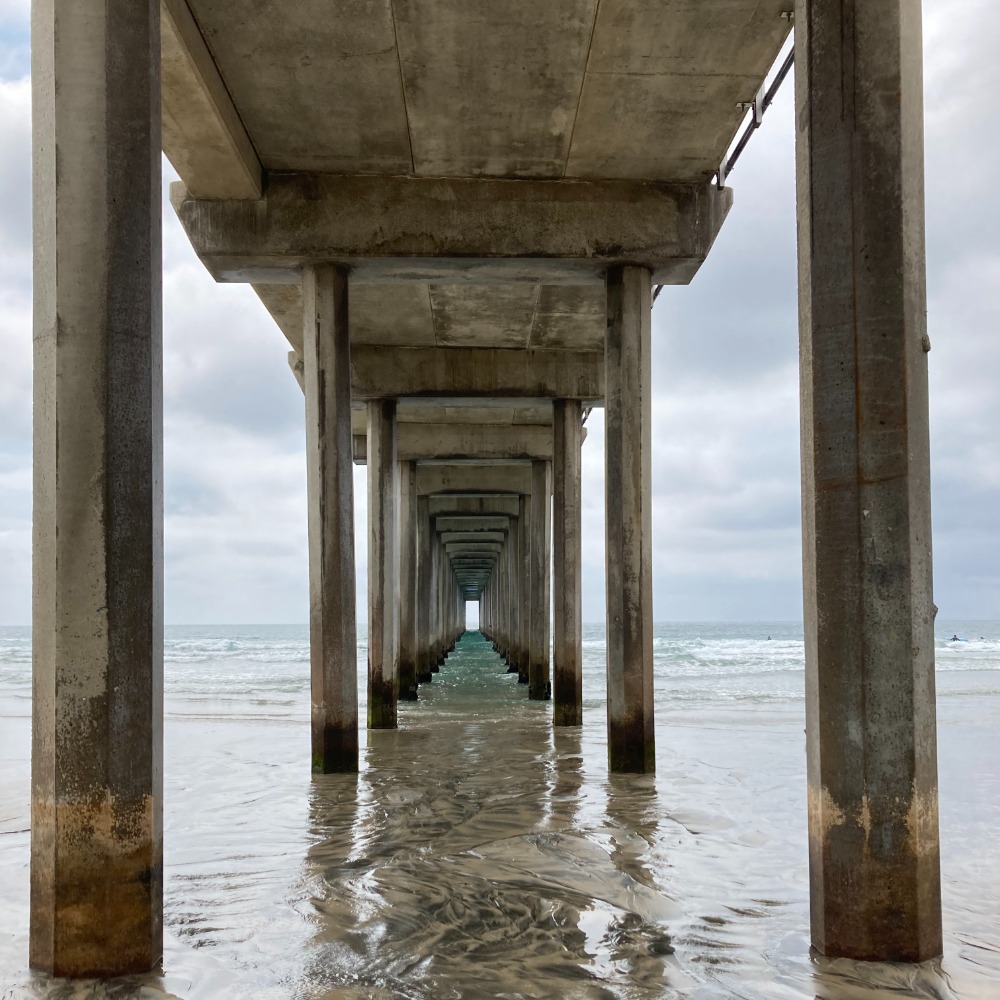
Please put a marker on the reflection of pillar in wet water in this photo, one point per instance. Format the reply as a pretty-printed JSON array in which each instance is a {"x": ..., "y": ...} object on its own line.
[
  {"x": 873, "y": 800},
  {"x": 628, "y": 515}
]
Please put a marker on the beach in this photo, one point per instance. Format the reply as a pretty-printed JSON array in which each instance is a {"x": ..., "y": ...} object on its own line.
[{"x": 480, "y": 853}]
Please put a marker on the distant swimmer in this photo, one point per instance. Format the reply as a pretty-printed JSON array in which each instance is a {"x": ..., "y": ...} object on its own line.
[
  {"x": 769, "y": 638},
  {"x": 954, "y": 638}
]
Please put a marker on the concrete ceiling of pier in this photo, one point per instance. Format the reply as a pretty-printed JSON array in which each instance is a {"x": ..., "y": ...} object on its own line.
[{"x": 568, "y": 89}]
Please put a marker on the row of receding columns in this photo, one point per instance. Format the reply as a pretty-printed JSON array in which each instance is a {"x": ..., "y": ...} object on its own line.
[{"x": 96, "y": 836}]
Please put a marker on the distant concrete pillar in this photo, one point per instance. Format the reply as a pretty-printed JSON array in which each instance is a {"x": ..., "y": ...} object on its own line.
[
  {"x": 539, "y": 681},
  {"x": 871, "y": 746},
  {"x": 524, "y": 573},
  {"x": 97, "y": 729},
  {"x": 437, "y": 639},
  {"x": 424, "y": 587},
  {"x": 408, "y": 581},
  {"x": 514, "y": 545},
  {"x": 628, "y": 551},
  {"x": 330, "y": 489},
  {"x": 567, "y": 639},
  {"x": 383, "y": 582}
]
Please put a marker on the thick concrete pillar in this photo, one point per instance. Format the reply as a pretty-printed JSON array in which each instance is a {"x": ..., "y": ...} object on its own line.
[
  {"x": 524, "y": 551},
  {"x": 424, "y": 587},
  {"x": 408, "y": 581},
  {"x": 330, "y": 488},
  {"x": 539, "y": 681},
  {"x": 383, "y": 581},
  {"x": 567, "y": 624},
  {"x": 514, "y": 546},
  {"x": 97, "y": 729},
  {"x": 627, "y": 460},
  {"x": 873, "y": 805}
]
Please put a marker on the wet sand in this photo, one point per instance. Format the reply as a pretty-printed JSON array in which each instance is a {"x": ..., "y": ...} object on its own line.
[{"x": 481, "y": 854}]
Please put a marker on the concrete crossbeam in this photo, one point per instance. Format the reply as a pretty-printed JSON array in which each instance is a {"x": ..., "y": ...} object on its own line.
[
  {"x": 472, "y": 536},
  {"x": 474, "y": 479},
  {"x": 391, "y": 228},
  {"x": 471, "y": 523},
  {"x": 454, "y": 372},
  {"x": 484, "y": 442},
  {"x": 457, "y": 506},
  {"x": 203, "y": 135}
]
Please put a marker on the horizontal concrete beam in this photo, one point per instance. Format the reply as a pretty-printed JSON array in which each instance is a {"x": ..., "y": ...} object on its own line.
[
  {"x": 390, "y": 228},
  {"x": 465, "y": 505},
  {"x": 474, "y": 479},
  {"x": 484, "y": 442},
  {"x": 203, "y": 135},
  {"x": 473, "y": 548},
  {"x": 472, "y": 536},
  {"x": 477, "y": 524},
  {"x": 452, "y": 372}
]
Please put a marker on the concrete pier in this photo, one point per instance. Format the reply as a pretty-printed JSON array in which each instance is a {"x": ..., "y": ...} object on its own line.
[
  {"x": 627, "y": 461},
  {"x": 500, "y": 247},
  {"x": 383, "y": 582},
  {"x": 97, "y": 609},
  {"x": 869, "y": 613},
  {"x": 567, "y": 618},
  {"x": 330, "y": 491}
]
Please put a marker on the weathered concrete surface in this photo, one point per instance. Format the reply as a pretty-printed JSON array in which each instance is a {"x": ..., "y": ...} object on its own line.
[
  {"x": 330, "y": 489},
  {"x": 628, "y": 507},
  {"x": 448, "y": 442},
  {"x": 480, "y": 479},
  {"x": 475, "y": 316},
  {"x": 97, "y": 611},
  {"x": 444, "y": 372},
  {"x": 407, "y": 581},
  {"x": 873, "y": 826},
  {"x": 479, "y": 230},
  {"x": 472, "y": 536},
  {"x": 458, "y": 506},
  {"x": 567, "y": 616},
  {"x": 425, "y": 579},
  {"x": 472, "y": 522},
  {"x": 539, "y": 680},
  {"x": 203, "y": 136},
  {"x": 433, "y": 89},
  {"x": 383, "y": 580}
]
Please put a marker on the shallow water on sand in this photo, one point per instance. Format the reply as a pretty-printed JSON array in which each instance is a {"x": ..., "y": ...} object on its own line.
[{"x": 479, "y": 853}]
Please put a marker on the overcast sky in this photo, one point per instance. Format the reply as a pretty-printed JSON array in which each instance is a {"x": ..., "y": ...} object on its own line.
[{"x": 726, "y": 522}]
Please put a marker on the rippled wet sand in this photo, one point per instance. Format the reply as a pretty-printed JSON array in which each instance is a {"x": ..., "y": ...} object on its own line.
[{"x": 481, "y": 854}]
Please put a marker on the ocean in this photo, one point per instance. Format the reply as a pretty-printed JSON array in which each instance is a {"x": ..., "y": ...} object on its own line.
[{"x": 480, "y": 853}]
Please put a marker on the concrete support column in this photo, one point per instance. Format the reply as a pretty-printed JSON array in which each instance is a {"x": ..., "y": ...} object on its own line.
[
  {"x": 869, "y": 614},
  {"x": 627, "y": 460},
  {"x": 97, "y": 730},
  {"x": 437, "y": 640},
  {"x": 524, "y": 574},
  {"x": 514, "y": 594},
  {"x": 383, "y": 582},
  {"x": 424, "y": 587},
  {"x": 539, "y": 682},
  {"x": 330, "y": 488},
  {"x": 408, "y": 581},
  {"x": 567, "y": 645}
]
